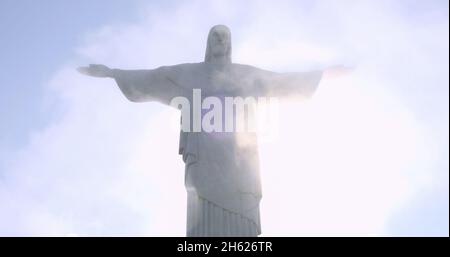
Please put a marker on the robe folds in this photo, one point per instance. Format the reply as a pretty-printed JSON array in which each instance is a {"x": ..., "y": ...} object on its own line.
[{"x": 221, "y": 168}]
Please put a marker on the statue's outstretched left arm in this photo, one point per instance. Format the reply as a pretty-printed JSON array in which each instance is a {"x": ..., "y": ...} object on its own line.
[{"x": 294, "y": 84}]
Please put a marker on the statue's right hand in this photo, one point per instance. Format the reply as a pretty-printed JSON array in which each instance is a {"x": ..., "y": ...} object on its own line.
[{"x": 96, "y": 70}]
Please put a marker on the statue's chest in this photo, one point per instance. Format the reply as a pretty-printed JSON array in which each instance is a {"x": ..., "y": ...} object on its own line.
[
  {"x": 221, "y": 82},
  {"x": 216, "y": 81}
]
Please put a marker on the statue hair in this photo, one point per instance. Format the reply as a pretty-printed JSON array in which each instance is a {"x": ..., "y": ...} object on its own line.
[{"x": 208, "y": 55}]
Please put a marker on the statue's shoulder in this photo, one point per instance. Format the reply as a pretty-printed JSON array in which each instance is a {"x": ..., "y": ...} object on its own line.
[
  {"x": 188, "y": 66},
  {"x": 245, "y": 69}
]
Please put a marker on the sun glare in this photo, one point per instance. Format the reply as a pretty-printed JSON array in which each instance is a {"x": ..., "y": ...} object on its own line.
[{"x": 340, "y": 164}]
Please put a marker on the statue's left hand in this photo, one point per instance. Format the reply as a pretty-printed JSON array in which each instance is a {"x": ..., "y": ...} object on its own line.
[{"x": 337, "y": 71}]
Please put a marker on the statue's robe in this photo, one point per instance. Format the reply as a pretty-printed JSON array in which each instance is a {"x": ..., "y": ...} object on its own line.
[{"x": 222, "y": 173}]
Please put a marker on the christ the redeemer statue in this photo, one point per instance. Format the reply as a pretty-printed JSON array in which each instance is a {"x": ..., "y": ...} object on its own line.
[{"x": 221, "y": 174}]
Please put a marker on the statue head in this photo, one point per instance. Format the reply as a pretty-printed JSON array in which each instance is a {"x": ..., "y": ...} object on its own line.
[{"x": 219, "y": 44}]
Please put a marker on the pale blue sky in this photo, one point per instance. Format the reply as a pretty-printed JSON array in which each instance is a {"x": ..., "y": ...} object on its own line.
[
  {"x": 39, "y": 37},
  {"x": 36, "y": 39}
]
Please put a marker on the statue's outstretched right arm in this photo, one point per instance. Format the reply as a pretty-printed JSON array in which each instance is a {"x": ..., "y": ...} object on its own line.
[
  {"x": 97, "y": 70},
  {"x": 161, "y": 84}
]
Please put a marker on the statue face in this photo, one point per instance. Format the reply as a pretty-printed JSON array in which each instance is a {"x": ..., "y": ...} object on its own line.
[{"x": 220, "y": 40}]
